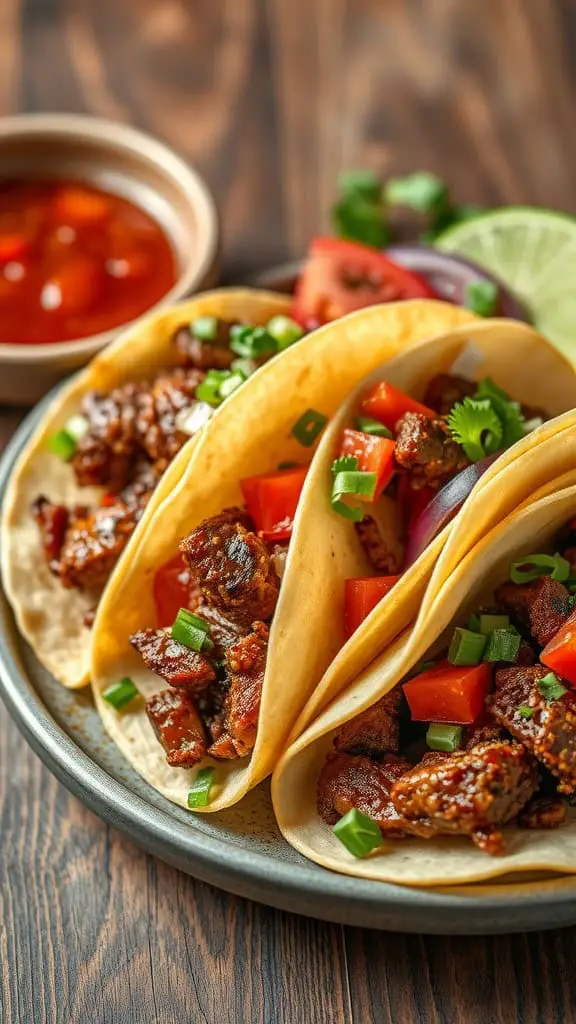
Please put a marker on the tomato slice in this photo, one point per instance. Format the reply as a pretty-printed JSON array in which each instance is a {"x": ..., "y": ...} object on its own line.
[
  {"x": 173, "y": 590},
  {"x": 272, "y": 500},
  {"x": 449, "y": 693},
  {"x": 387, "y": 404},
  {"x": 341, "y": 276},
  {"x": 560, "y": 653},
  {"x": 361, "y": 596},
  {"x": 374, "y": 454}
]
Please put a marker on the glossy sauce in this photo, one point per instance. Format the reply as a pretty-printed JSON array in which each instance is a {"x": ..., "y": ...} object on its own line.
[{"x": 75, "y": 261}]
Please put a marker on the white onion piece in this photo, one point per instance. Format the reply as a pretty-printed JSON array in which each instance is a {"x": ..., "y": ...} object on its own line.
[
  {"x": 191, "y": 420},
  {"x": 279, "y": 556}
]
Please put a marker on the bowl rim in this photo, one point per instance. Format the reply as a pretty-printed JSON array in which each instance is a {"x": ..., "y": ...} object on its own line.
[{"x": 145, "y": 146}]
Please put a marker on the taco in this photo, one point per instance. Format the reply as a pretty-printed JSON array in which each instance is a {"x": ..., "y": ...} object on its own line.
[
  {"x": 452, "y": 758},
  {"x": 103, "y": 452},
  {"x": 227, "y": 611}
]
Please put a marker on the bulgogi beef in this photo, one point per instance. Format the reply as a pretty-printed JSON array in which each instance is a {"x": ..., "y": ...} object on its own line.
[
  {"x": 206, "y": 355},
  {"x": 426, "y": 450},
  {"x": 538, "y": 609},
  {"x": 348, "y": 781},
  {"x": 178, "y": 726},
  {"x": 93, "y": 543},
  {"x": 373, "y": 731},
  {"x": 445, "y": 390},
  {"x": 543, "y": 812},
  {"x": 245, "y": 665},
  {"x": 383, "y": 559},
  {"x": 52, "y": 521},
  {"x": 171, "y": 660}
]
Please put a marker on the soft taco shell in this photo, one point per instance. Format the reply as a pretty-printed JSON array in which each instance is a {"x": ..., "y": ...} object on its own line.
[
  {"x": 49, "y": 616},
  {"x": 440, "y": 861},
  {"x": 248, "y": 436}
]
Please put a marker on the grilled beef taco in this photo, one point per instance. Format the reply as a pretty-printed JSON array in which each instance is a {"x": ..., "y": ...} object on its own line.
[
  {"x": 103, "y": 452},
  {"x": 228, "y": 609},
  {"x": 452, "y": 758}
]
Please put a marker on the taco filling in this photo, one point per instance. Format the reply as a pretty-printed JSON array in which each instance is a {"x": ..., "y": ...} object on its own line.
[
  {"x": 424, "y": 458},
  {"x": 214, "y": 604},
  {"x": 125, "y": 440},
  {"x": 482, "y": 735}
]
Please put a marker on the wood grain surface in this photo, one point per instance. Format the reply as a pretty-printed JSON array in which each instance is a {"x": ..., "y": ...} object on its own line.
[{"x": 270, "y": 98}]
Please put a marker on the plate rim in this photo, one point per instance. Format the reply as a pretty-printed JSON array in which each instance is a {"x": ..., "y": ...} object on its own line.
[{"x": 301, "y": 888}]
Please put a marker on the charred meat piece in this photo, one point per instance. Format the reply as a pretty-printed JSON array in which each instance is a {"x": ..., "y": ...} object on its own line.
[
  {"x": 546, "y": 727},
  {"x": 543, "y": 812},
  {"x": 137, "y": 493},
  {"x": 52, "y": 521},
  {"x": 223, "y": 633},
  {"x": 205, "y": 355},
  {"x": 171, "y": 660},
  {"x": 383, "y": 560},
  {"x": 104, "y": 453},
  {"x": 348, "y": 781},
  {"x": 233, "y": 568},
  {"x": 538, "y": 609},
  {"x": 445, "y": 390},
  {"x": 425, "y": 449},
  {"x": 471, "y": 793},
  {"x": 374, "y": 731},
  {"x": 485, "y": 731},
  {"x": 246, "y": 665},
  {"x": 157, "y": 409},
  {"x": 92, "y": 545},
  {"x": 178, "y": 726}
]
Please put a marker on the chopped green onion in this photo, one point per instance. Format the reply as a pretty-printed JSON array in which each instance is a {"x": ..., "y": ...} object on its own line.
[
  {"x": 352, "y": 482},
  {"x": 525, "y": 711},
  {"x": 550, "y": 687},
  {"x": 534, "y": 566},
  {"x": 358, "y": 833},
  {"x": 199, "y": 794},
  {"x": 421, "y": 191},
  {"x": 246, "y": 366},
  {"x": 488, "y": 623},
  {"x": 481, "y": 297},
  {"x": 191, "y": 630},
  {"x": 361, "y": 183},
  {"x": 252, "y": 342},
  {"x": 309, "y": 426},
  {"x": 231, "y": 383},
  {"x": 344, "y": 463},
  {"x": 209, "y": 389},
  {"x": 444, "y": 737},
  {"x": 120, "y": 694},
  {"x": 369, "y": 426},
  {"x": 466, "y": 648},
  {"x": 62, "y": 445},
  {"x": 284, "y": 330},
  {"x": 474, "y": 624},
  {"x": 475, "y": 426},
  {"x": 503, "y": 645},
  {"x": 205, "y": 328}
]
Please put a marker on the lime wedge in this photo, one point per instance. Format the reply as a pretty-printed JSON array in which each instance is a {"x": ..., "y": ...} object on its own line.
[{"x": 533, "y": 252}]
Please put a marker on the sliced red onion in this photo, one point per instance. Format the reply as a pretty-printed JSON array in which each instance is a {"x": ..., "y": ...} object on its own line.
[
  {"x": 190, "y": 421},
  {"x": 443, "y": 507},
  {"x": 451, "y": 275}
]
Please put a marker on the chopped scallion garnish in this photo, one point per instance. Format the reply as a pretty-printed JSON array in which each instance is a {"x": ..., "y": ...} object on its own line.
[
  {"x": 344, "y": 463},
  {"x": 503, "y": 645},
  {"x": 199, "y": 794},
  {"x": 191, "y": 630},
  {"x": 284, "y": 330},
  {"x": 309, "y": 427},
  {"x": 525, "y": 711},
  {"x": 351, "y": 483},
  {"x": 466, "y": 648},
  {"x": 246, "y": 366},
  {"x": 369, "y": 426},
  {"x": 209, "y": 389},
  {"x": 481, "y": 297},
  {"x": 475, "y": 425},
  {"x": 532, "y": 567},
  {"x": 444, "y": 737},
  {"x": 62, "y": 445},
  {"x": 474, "y": 624},
  {"x": 120, "y": 694},
  {"x": 550, "y": 687},
  {"x": 252, "y": 342},
  {"x": 487, "y": 623},
  {"x": 231, "y": 383},
  {"x": 358, "y": 833},
  {"x": 205, "y": 328},
  {"x": 190, "y": 421}
]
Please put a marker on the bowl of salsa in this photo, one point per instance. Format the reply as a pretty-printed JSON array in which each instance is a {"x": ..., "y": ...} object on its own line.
[{"x": 99, "y": 224}]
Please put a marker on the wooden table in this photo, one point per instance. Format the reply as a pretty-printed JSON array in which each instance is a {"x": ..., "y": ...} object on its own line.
[{"x": 271, "y": 98}]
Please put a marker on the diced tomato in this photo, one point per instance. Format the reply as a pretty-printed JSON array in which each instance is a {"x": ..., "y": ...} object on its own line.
[
  {"x": 13, "y": 247},
  {"x": 173, "y": 590},
  {"x": 374, "y": 454},
  {"x": 108, "y": 500},
  {"x": 272, "y": 500},
  {"x": 73, "y": 288},
  {"x": 449, "y": 693},
  {"x": 560, "y": 653},
  {"x": 361, "y": 596},
  {"x": 341, "y": 276},
  {"x": 75, "y": 205},
  {"x": 387, "y": 404}
]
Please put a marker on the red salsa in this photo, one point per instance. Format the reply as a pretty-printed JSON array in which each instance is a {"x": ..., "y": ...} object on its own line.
[{"x": 75, "y": 261}]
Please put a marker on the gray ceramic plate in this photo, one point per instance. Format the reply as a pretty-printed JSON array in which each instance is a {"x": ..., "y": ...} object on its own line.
[{"x": 240, "y": 850}]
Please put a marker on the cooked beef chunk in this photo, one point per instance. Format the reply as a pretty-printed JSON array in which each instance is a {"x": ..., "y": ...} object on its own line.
[
  {"x": 348, "y": 781},
  {"x": 52, "y": 521},
  {"x": 425, "y": 449},
  {"x": 178, "y": 726},
  {"x": 104, "y": 453},
  {"x": 233, "y": 568},
  {"x": 486, "y": 730},
  {"x": 157, "y": 409},
  {"x": 205, "y": 355},
  {"x": 526, "y": 654},
  {"x": 383, "y": 560},
  {"x": 246, "y": 665},
  {"x": 92, "y": 545},
  {"x": 137, "y": 493},
  {"x": 543, "y": 812},
  {"x": 445, "y": 390},
  {"x": 538, "y": 609},
  {"x": 471, "y": 793},
  {"x": 171, "y": 660},
  {"x": 374, "y": 731},
  {"x": 223, "y": 633},
  {"x": 548, "y": 729}
]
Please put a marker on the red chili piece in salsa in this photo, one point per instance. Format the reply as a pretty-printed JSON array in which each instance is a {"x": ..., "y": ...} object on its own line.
[{"x": 75, "y": 261}]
